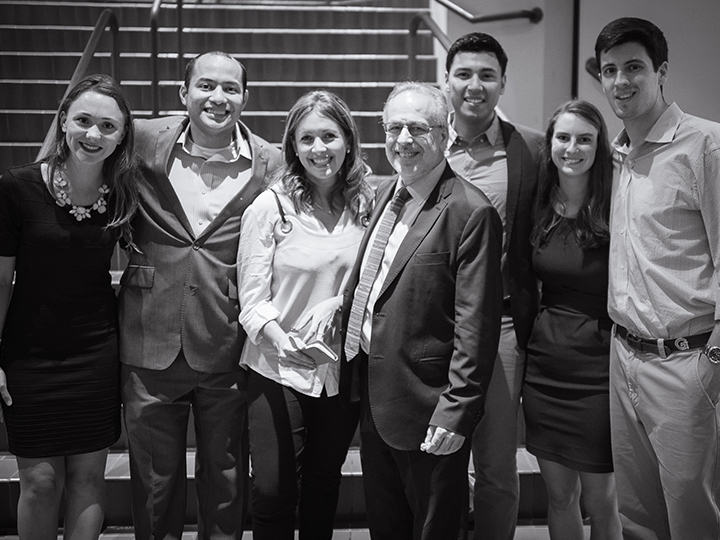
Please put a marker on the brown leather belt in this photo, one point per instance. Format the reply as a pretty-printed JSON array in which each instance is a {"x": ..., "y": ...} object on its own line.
[{"x": 662, "y": 347}]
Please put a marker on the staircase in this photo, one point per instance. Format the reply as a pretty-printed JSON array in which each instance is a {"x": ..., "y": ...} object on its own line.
[{"x": 357, "y": 51}]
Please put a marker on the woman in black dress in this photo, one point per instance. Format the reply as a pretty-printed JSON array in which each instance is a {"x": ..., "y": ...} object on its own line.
[
  {"x": 565, "y": 393},
  {"x": 59, "y": 371}
]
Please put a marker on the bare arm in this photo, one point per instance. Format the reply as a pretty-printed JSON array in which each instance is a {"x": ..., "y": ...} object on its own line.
[{"x": 7, "y": 271}]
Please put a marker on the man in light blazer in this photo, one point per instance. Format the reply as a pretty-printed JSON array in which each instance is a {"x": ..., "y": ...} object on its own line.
[
  {"x": 180, "y": 340},
  {"x": 502, "y": 160},
  {"x": 421, "y": 322}
]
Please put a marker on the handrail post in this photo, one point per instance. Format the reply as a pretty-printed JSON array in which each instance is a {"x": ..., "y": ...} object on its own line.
[
  {"x": 441, "y": 36},
  {"x": 154, "y": 51},
  {"x": 180, "y": 60},
  {"x": 106, "y": 18},
  {"x": 154, "y": 12}
]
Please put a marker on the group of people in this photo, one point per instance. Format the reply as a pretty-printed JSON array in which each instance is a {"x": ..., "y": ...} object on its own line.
[{"x": 280, "y": 299}]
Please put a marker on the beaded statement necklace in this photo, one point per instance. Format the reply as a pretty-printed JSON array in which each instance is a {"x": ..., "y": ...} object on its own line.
[{"x": 80, "y": 212}]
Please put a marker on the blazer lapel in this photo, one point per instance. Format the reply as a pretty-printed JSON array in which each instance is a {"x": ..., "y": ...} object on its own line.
[
  {"x": 515, "y": 157},
  {"x": 422, "y": 226}
]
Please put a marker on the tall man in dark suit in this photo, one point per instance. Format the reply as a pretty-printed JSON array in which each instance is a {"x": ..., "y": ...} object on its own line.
[
  {"x": 180, "y": 338},
  {"x": 503, "y": 161},
  {"x": 422, "y": 322}
]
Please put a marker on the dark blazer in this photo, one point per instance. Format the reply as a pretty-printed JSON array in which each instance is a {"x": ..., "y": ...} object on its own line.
[
  {"x": 180, "y": 291},
  {"x": 436, "y": 322},
  {"x": 523, "y": 147}
]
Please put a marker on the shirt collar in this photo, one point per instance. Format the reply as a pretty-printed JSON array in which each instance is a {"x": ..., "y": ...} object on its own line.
[
  {"x": 420, "y": 189},
  {"x": 492, "y": 133},
  {"x": 238, "y": 147},
  {"x": 662, "y": 132}
]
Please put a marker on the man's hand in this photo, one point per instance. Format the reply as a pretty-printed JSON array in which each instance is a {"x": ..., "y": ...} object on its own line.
[{"x": 441, "y": 442}]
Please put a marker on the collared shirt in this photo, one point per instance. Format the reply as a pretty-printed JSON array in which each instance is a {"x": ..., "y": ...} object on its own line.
[
  {"x": 419, "y": 192},
  {"x": 483, "y": 162},
  {"x": 665, "y": 229},
  {"x": 206, "y": 179},
  {"x": 284, "y": 274}
]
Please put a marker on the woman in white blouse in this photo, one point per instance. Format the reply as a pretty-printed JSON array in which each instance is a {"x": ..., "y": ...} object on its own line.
[{"x": 298, "y": 245}]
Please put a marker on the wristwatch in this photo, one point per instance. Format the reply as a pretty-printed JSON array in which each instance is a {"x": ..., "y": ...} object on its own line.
[{"x": 713, "y": 353}]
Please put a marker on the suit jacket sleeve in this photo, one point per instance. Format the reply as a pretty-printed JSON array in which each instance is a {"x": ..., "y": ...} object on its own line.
[{"x": 478, "y": 312}]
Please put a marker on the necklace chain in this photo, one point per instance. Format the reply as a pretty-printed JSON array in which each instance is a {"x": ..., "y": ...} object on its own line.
[
  {"x": 331, "y": 211},
  {"x": 80, "y": 212}
]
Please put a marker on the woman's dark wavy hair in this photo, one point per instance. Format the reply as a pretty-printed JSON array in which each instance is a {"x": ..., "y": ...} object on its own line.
[
  {"x": 353, "y": 188},
  {"x": 119, "y": 169},
  {"x": 591, "y": 223}
]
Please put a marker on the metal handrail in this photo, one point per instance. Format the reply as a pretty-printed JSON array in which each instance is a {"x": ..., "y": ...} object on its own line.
[
  {"x": 106, "y": 18},
  {"x": 154, "y": 77},
  {"x": 534, "y": 15}
]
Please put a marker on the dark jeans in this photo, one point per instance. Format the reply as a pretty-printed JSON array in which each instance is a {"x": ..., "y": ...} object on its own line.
[{"x": 298, "y": 445}]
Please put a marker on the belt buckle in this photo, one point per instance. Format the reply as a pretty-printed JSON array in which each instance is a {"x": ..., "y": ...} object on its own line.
[{"x": 682, "y": 344}]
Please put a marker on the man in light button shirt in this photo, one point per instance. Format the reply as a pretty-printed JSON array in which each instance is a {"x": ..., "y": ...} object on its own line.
[
  {"x": 664, "y": 292},
  {"x": 180, "y": 340}
]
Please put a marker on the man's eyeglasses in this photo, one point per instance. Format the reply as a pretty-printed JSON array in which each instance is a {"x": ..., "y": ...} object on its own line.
[{"x": 415, "y": 130}]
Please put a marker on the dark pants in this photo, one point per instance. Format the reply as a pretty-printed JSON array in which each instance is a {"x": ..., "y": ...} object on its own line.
[
  {"x": 410, "y": 494},
  {"x": 298, "y": 445},
  {"x": 157, "y": 406}
]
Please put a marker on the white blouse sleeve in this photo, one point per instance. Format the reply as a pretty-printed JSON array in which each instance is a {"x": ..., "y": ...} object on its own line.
[{"x": 254, "y": 268}]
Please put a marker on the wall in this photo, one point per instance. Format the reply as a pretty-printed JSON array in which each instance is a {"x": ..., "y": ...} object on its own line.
[
  {"x": 692, "y": 29},
  {"x": 540, "y": 55}
]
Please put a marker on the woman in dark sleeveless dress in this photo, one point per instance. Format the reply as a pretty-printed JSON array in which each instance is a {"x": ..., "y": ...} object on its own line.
[
  {"x": 566, "y": 388},
  {"x": 59, "y": 371}
]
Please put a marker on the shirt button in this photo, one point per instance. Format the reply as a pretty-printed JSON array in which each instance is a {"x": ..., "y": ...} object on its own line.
[{"x": 196, "y": 246}]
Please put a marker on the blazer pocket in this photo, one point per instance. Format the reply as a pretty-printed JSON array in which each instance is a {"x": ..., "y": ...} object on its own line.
[
  {"x": 433, "y": 370},
  {"x": 442, "y": 257},
  {"x": 139, "y": 276},
  {"x": 232, "y": 289}
]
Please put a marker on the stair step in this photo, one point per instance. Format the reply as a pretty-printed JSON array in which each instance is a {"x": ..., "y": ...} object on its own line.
[
  {"x": 264, "y": 95},
  {"x": 261, "y": 67},
  {"x": 214, "y": 16},
  {"x": 351, "y": 506},
  {"x": 523, "y": 532},
  {"x": 39, "y": 38}
]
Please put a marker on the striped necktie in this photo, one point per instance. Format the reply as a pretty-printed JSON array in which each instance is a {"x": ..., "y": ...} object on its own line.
[{"x": 362, "y": 292}]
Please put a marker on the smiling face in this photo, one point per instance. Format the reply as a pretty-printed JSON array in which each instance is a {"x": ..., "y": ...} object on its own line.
[
  {"x": 214, "y": 100},
  {"x": 94, "y": 126},
  {"x": 632, "y": 87},
  {"x": 574, "y": 144},
  {"x": 321, "y": 148},
  {"x": 414, "y": 157},
  {"x": 475, "y": 83}
]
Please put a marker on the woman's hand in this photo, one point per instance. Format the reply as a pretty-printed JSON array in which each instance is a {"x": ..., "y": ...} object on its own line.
[
  {"x": 4, "y": 393},
  {"x": 320, "y": 318},
  {"x": 289, "y": 349}
]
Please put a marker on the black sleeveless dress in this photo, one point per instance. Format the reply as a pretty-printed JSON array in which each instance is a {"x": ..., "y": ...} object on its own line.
[
  {"x": 566, "y": 390},
  {"x": 60, "y": 339}
]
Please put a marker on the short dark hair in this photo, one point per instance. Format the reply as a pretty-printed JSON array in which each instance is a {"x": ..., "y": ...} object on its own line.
[
  {"x": 477, "y": 42},
  {"x": 631, "y": 29},
  {"x": 190, "y": 67}
]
